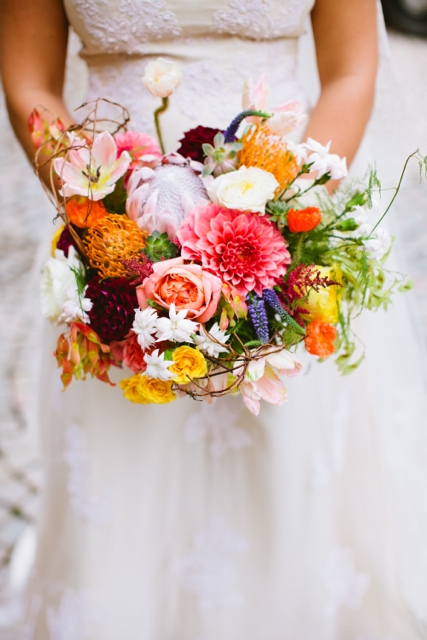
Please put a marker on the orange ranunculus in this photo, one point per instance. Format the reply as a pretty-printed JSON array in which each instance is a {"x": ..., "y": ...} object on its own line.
[
  {"x": 78, "y": 211},
  {"x": 133, "y": 355},
  {"x": 304, "y": 219},
  {"x": 188, "y": 286},
  {"x": 320, "y": 339}
]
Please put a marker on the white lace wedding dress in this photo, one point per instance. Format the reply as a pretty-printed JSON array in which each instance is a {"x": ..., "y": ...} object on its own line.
[{"x": 197, "y": 522}]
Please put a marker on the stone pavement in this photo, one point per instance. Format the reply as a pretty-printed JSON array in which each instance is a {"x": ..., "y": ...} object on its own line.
[{"x": 25, "y": 218}]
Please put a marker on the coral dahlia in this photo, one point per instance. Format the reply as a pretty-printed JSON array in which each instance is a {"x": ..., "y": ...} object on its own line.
[{"x": 243, "y": 249}]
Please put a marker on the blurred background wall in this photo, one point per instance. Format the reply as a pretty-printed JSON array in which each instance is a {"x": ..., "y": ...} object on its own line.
[{"x": 25, "y": 224}]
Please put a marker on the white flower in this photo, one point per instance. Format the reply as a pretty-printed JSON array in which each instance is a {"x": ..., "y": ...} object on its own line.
[
  {"x": 157, "y": 366},
  {"x": 378, "y": 246},
  {"x": 144, "y": 326},
  {"x": 255, "y": 370},
  {"x": 162, "y": 77},
  {"x": 207, "y": 345},
  {"x": 57, "y": 279},
  {"x": 75, "y": 308},
  {"x": 176, "y": 328},
  {"x": 360, "y": 215},
  {"x": 299, "y": 151},
  {"x": 284, "y": 362},
  {"x": 324, "y": 162},
  {"x": 245, "y": 189}
]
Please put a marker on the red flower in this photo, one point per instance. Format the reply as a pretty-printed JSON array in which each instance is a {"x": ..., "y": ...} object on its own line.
[
  {"x": 191, "y": 143},
  {"x": 320, "y": 339},
  {"x": 245, "y": 250},
  {"x": 133, "y": 355},
  {"x": 113, "y": 311},
  {"x": 304, "y": 219}
]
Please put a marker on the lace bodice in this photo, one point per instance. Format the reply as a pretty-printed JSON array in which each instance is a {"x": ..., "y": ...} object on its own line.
[
  {"x": 219, "y": 45},
  {"x": 128, "y": 26}
]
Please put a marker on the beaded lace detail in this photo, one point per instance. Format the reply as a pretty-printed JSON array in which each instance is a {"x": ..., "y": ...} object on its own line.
[
  {"x": 256, "y": 18},
  {"x": 217, "y": 423},
  {"x": 210, "y": 569},
  {"x": 134, "y": 23},
  {"x": 72, "y": 620},
  {"x": 344, "y": 586},
  {"x": 93, "y": 508}
]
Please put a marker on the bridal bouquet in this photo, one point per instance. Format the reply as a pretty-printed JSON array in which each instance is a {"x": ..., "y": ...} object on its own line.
[{"x": 205, "y": 269}]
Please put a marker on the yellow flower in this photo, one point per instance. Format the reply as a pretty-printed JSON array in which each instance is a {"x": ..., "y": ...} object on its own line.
[
  {"x": 145, "y": 390},
  {"x": 157, "y": 391},
  {"x": 56, "y": 237},
  {"x": 322, "y": 305},
  {"x": 189, "y": 363},
  {"x": 132, "y": 389}
]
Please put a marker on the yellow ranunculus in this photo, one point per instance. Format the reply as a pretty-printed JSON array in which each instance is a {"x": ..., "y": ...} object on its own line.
[
  {"x": 157, "y": 391},
  {"x": 322, "y": 305},
  {"x": 189, "y": 363},
  {"x": 145, "y": 390},
  {"x": 132, "y": 389},
  {"x": 56, "y": 237}
]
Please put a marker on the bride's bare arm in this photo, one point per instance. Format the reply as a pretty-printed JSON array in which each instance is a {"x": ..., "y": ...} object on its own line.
[
  {"x": 33, "y": 44},
  {"x": 345, "y": 33}
]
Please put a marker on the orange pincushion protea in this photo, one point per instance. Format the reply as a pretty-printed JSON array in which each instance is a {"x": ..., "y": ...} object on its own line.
[
  {"x": 320, "y": 339},
  {"x": 110, "y": 240},
  {"x": 84, "y": 212},
  {"x": 304, "y": 219},
  {"x": 267, "y": 152}
]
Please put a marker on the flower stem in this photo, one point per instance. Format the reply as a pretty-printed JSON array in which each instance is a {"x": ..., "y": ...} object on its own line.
[{"x": 161, "y": 109}]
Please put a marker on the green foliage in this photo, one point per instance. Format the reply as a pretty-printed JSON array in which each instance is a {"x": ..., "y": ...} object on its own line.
[
  {"x": 116, "y": 202},
  {"x": 159, "y": 247},
  {"x": 81, "y": 279}
]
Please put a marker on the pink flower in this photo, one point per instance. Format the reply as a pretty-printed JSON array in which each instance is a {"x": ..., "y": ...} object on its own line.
[
  {"x": 187, "y": 286},
  {"x": 137, "y": 145},
  {"x": 92, "y": 171},
  {"x": 269, "y": 388},
  {"x": 246, "y": 251},
  {"x": 161, "y": 196},
  {"x": 133, "y": 355}
]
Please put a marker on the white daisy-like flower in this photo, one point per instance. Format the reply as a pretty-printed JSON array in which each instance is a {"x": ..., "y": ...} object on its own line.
[
  {"x": 144, "y": 326},
  {"x": 377, "y": 246},
  {"x": 76, "y": 308},
  {"x": 207, "y": 345},
  {"x": 176, "y": 328},
  {"x": 299, "y": 151},
  {"x": 157, "y": 366}
]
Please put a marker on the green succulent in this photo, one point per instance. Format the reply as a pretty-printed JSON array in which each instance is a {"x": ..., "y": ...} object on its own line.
[{"x": 159, "y": 247}]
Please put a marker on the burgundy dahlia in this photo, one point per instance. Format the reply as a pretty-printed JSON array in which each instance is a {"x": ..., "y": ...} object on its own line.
[
  {"x": 191, "y": 143},
  {"x": 65, "y": 241},
  {"x": 114, "y": 301}
]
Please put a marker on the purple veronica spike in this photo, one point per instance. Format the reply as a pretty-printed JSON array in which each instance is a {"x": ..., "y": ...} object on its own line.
[
  {"x": 272, "y": 299},
  {"x": 258, "y": 315},
  {"x": 230, "y": 133}
]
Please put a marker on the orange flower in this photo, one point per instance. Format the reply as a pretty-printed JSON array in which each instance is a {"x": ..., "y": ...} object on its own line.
[
  {"x": 320, "y": 339},
  {"x": 110, "y": 240},
  {"x": 304, "y": 219},
  {"x": 267, "y": 152},
  {"x": 84, "y": 212}
]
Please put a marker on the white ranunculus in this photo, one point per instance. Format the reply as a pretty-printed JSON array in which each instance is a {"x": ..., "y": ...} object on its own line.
[
  {"x": 244, "y": 190},
  {"x": 57, "y": 279},
  {"x": 162, "y": 77},
  {"x": 377, "y": 246}
]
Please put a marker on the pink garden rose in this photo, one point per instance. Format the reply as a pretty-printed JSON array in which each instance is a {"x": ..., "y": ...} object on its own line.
[
  {"x": 245, "y": 250},
  {"x": 186, "y": 285}
]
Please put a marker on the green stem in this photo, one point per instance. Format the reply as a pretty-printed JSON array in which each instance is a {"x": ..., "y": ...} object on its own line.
[
  {"x": 298, "y": 249},
  {"x": 161, "y": 109}
]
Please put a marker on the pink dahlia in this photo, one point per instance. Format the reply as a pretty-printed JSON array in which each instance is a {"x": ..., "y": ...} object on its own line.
[
  {"x": 137, "y": 145},
  {"x": 243, "y": 249}
]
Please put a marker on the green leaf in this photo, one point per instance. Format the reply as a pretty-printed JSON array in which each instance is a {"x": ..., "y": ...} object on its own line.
[{"x": 116, "y": 202}]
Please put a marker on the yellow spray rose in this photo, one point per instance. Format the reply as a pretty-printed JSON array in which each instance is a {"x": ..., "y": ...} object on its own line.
[
  {"x": 56, "y": 237},
  {"x": 322, "y": 305},
  {"x": 189, "y": 363},
  {"x": 145, "y": 390},
  {"x": 132, "y": 389}
]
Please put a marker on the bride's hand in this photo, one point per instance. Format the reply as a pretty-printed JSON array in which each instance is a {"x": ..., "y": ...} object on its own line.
[{"x": 345, "y": 35}]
